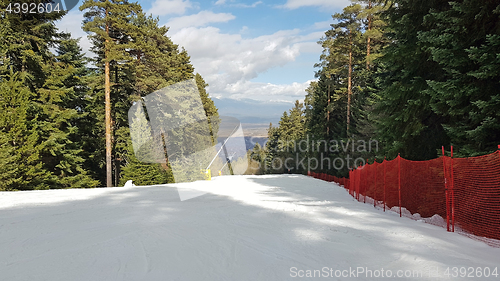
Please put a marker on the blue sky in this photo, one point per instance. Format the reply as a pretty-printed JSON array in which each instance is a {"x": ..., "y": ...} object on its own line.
[{"x": 258, "y": 50}]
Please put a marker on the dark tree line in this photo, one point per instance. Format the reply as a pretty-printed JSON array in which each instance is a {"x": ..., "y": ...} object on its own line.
[
  {"x": 63, "y": 120},
  {"x": 412, "y": 75}
]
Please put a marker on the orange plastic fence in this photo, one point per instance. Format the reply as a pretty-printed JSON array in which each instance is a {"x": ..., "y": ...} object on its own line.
[{"x": 460, "y": 194}]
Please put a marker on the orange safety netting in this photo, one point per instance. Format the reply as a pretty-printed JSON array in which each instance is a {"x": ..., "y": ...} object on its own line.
[{"x": 460, "y": 194}]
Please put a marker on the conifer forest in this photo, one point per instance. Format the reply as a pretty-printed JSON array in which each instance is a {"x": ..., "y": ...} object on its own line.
[{"x": 411, "y": 75}]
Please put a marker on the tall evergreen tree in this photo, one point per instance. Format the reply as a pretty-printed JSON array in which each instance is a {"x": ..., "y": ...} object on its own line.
[
  {"x": 342, "y": 53},
  {"x": 406, "y": 122},
  {"x": 109, "y": 21},
  {"x": 59, "y": 112},
  {"x": 42, "y": 145},
  {"x": 209, "y": 107},
  {"x": 374, "y": 24},
  {"x": 464, "y": 40},
  {"x": 21, "y": 167}
]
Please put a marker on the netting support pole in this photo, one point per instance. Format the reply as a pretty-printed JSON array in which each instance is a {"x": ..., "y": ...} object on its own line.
[
  {"x": 375, "y": 193},
  {"x": 452, "y": 195},
  {"x": 358, "y": 188},
  {"x": 399, "y": 183},
  {"x": 385, "y": 163},
  {"x": 352, "y": 182},
  {"x": 366, "y": 177},
  {"x": 446, "y": 191}
]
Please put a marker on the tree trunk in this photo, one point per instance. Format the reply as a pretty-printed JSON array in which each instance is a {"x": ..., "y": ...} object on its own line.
[
  {"x": 328, "y": 113},
  {"x": 349, "y": 84},
  {"x": 107, "y": 109},
  {"x": 368, "y": 40}
]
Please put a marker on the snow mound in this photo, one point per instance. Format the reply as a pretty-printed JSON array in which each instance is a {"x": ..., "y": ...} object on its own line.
[{"x": 129, "y": 184}]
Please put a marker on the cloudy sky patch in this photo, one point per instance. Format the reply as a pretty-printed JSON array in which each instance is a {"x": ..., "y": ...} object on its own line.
[{"x": 245, "y": 50}]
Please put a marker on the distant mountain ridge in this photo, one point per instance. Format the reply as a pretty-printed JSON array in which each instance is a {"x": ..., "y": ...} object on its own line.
[{"x": 252, "y": 111}]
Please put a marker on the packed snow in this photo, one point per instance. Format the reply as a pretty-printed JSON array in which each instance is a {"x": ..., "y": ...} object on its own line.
[{"x": 282, "y": 227}]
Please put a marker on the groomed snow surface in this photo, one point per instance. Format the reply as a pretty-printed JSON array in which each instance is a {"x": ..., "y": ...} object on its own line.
[{"x": 284, "y": 227}]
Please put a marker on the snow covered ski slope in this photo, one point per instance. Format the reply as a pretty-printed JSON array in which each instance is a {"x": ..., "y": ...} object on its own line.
[{"x": 284, "y": 227}]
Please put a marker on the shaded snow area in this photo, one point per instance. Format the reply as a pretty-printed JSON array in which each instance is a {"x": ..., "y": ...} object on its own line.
[{"x": 284, "y": 227}]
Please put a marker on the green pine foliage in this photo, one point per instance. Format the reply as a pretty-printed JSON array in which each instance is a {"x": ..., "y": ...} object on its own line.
[
  {"x": 339, "y": 105},
  {"x": 143, "y": 59},
  {"x": 439, "y": 85},
  {"x": 52, "y": 121},
  {"x": 58, "y": 112},
  {"x": 406, "y": 123},
  {"x": 414, "y": 75},
  {"x": 256, "y": 160},
  {"x": 282, "y": 143},
  {"x": 464, "y": 40},
  {"x": 209, "y": 107},
  {"x": 38, "y": 87},
  {"x": 21, "y": 167}
]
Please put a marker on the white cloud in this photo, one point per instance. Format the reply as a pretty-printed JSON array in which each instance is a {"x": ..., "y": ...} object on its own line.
[
  {"x": 232, "y": 58},
  {"x": 239, "y": 5},
  {"x": 248, "y": 6},
  {"x": 200, "y": 19},
  {"x": 267, "y": 92},
  {"x": 294, "y": 4},
  {"x": 228, "y": 61},
  {"x": 244, "y": 29},
  {"x": 166, "y": 7},
  {"x": 72, "y": 22},
  {"x": 323, "y": 25}
]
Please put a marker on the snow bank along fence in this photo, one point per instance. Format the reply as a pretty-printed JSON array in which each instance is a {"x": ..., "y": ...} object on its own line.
[{"x": 461, "y": 194}]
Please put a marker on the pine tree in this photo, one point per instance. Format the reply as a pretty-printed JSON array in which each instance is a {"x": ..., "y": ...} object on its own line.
[
  {"x": 464, "y": 40},
  {"x": 272, "y": 148},
  {"x": 42, "y": 145},
  {"x": 374, "y": 24},
  {"x": 256, "y": 160},
  {"x": 21, "y": 167},
  {"x": 141, "y": 162},
  {"x": 109, "y": 22},
  {"x": 59, "y": 110},
  {"x": 342, "y": 46},
  {"x": 149, "y": 61},
  {"x": 25, "y": 42},
  {"x": 406, "y": 122},
  {"x": 282, "y": 141},
  {"x": 209, "y": 107}
]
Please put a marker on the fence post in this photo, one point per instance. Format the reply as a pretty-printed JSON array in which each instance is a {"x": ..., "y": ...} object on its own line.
[
  {"x": 355, "y": 182},
  {"x": 399, "y": 183},
  {"x": 446, "y": 192},
  {"x": 385, "y": 163},
  {"x": 350, "y": 181},
  {"x": 452, "y": 195},
  {"x": 358, "y": 183},
  {"x": 367, "y": 176},
  {"x": 375, "y": 192}
]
